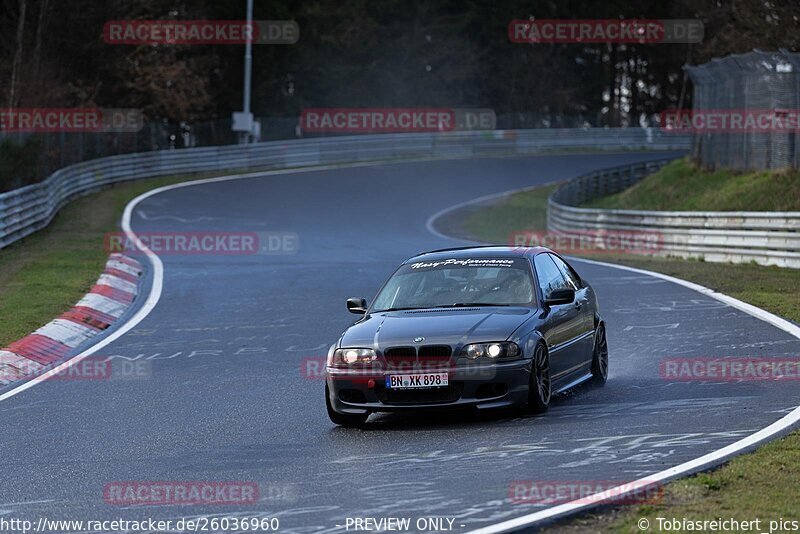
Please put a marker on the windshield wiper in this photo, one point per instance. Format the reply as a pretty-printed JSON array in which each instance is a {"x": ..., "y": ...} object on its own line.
[
  {"x": 469, "y": 304},
  {"x": 455, "y": 305},
  {"x": 403, "y": 308}
]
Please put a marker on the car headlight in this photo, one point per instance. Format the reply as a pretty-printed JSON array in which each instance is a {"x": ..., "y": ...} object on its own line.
[
  {"x": 493, "y": 351},
  {"x": 352, "y": 357}
]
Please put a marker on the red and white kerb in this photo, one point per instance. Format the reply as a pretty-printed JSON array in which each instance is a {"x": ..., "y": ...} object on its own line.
[{"x": 108, "y": 299}]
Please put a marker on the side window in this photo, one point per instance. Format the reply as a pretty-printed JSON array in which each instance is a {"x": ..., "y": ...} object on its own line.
[
  {"x": 572, "y": 278},
  {"x": 550, "y": 277}
]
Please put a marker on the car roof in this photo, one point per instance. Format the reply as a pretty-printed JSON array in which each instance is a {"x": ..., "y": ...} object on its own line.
[{"x": 496, "y": 251}]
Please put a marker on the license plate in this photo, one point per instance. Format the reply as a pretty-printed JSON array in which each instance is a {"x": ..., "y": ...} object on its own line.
[{"x": 417, "y": 381}]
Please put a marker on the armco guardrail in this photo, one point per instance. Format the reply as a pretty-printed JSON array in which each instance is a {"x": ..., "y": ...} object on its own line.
[
  {"x": 25, "y": 210},
  {"x": 767, "y": 238}
]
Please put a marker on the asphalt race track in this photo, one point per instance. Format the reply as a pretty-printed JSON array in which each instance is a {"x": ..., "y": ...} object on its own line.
[{"x": 225, "y": 396}]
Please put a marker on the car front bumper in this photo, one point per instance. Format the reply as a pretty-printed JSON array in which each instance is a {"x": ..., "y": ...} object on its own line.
[{"x": 482, "y": 386}]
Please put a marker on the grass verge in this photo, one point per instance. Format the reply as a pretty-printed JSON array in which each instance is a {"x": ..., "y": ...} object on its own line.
[
  {"x": 764, "y": 484},
  {"x": 771, "y": 288},
  {"x": 44, "y": 274},
  {"x": 761, "y": 485},
  {"x": 683, "y": 186}
]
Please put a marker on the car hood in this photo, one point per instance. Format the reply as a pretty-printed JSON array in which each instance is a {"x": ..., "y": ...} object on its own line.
[{"x": 447, "y": 327}]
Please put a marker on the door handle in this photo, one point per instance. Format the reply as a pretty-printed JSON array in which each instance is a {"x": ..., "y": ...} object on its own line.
[{"x": 578, "y": 304}]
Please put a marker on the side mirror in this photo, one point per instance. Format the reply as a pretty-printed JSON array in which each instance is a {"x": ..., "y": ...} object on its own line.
[
  {"x": 561, "y": 296},
  {"x": 357, "y": 305}
]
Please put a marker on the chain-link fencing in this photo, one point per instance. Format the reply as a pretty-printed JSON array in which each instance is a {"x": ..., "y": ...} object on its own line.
[{"x": 760, "y": 87}]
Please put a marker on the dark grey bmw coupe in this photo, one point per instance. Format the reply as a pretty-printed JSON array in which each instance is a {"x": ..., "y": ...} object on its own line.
[{"x": 483, "y": 327}]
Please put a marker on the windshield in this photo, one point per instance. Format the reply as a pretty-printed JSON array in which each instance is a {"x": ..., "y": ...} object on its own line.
[{"x": 457, "y": 282}]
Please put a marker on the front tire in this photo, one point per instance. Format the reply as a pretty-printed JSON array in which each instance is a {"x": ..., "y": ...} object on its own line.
[
  {"x": 600, "y": 356},
  {"x": 343, "y": 419},
  {"x": 539, "y": 390}
]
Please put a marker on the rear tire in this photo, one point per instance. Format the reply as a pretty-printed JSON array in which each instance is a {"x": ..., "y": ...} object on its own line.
[
  {"x": 539, "y": 390},
  {"x": 343, "y": 419},
  {"x": 600, "y": 356}
]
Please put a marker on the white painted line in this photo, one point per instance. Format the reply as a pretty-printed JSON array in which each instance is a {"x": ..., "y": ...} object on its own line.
[
  {"x": 692, "y": 466},
  {"x": 698, "y": 464},
  {"x": 92, "y": 300},
  {"x": 117, "y": 283},
  {"x": 774, "y": 320},
  {"x": 104, "y": 304},
  {"x": 69, "y": 333},
  {"x": 429, "y": 224},
  {"x": 563, "y": 509}
]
